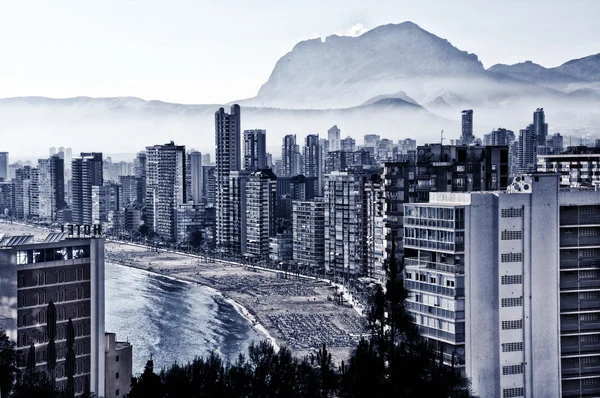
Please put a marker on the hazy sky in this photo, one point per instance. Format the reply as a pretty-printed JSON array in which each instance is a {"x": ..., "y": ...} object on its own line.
[{"x": 218, "y": 51}]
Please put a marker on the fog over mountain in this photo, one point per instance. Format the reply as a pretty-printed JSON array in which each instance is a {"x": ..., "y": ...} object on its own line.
[{"x": 395, "y": 80}]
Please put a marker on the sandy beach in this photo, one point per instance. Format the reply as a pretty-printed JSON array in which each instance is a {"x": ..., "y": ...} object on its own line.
[{"x": 295, "y": 312}]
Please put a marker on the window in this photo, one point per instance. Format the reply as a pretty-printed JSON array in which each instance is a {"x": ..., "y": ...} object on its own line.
[
  {"x": 512, "y": 302},
  {"x": 590, "y": 382},
  {"x": 513, "y": 392},
  {"x": 511, "y": 235},
  {"x": 590, "y": 360},
  {"x": 588, "y": 274},
  {"x": 589, "y": 338},
  {"x": 588, "y": 295},
  {"x": 587, "y": 252},
  {"x": 511, "y": 213},
  {"x": 512, "y": 370},
  {"x": 511, "y": 325},
  {"x": 117, "y": 359},
  {"x": 511, "y": 257},
  {"x": 588, "y": 317},
  {"x": 512, "y": 279},
  {"x": 583, "y": 210},
  {"x": 117, "y": 393},
  {"x": 449, "y": 283},
  {"x": 588, "y": 232},
  {"x": 432, "y": 279},
  {"x": 117, "y": 375},
  {"x": 512, "y": 347}
]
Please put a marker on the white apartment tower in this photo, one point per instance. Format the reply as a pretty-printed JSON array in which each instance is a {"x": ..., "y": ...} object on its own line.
[{"x": 483, "y": 271}]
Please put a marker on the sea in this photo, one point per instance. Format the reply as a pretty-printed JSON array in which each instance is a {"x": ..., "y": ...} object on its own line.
[{"x": 170, "y": 320}]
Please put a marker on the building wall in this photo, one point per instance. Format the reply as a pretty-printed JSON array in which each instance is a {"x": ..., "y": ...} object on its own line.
[
  {"x": 118, "y": 367},
  {"x": 71, "y": 274}
]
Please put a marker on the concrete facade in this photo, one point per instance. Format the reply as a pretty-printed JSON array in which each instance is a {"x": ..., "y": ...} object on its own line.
[{"x": 118, "y": 367}]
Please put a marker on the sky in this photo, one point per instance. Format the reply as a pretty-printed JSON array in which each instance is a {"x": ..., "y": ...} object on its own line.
[{"x": 211, "y": 52}]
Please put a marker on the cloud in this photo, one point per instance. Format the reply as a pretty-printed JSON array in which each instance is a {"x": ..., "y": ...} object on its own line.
[{"x": 356, "y": 30}]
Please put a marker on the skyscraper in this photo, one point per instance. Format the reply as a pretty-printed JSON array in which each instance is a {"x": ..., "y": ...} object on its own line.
[
  {"x": 527, "y": 149},
  {"x": 467, "y": 136},
  {"x": 228, "y": 159},
  {"x": 196, "y": 174},
  {"x": 86, "y": 173},
  {"x": 290, "y": 157},
  {"x": 348, "y": 144},
  {"x": 3, "y": 166},
  {"x": 51, "y": 187},
  {"x": 255, "y": 152},
  {"x": 165, "y": 187},
  {"x": 260, "y": 209},
  {"x": 140, "y": 174},
  {"x": 540, "y": 127},
  {"x": 313, "y": 161},
  {"x": 26, "y": 192},
  {"x": 333, "y": 136}
]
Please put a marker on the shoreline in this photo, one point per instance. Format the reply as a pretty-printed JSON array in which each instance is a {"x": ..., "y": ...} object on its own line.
[{"x": 239, "y": 308}]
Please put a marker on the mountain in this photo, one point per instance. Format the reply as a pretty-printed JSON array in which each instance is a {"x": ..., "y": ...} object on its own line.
[
  {"x": 347, "y": 71},
  {"x": 587, "y": 68},
  {"x": 128, "y": 124},
  {"x": 401, "y": 95},
  {"x": 537, "y": 74}
]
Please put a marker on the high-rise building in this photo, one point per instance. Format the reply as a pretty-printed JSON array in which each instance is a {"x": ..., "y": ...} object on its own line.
[
  {"x": 70, "y": 274},
  {"x": 499, "y": 137},
  {"x": 555, "y": 144},
  {"x": 209, "y": 183},
  {"x": 294, "y": 188},
  {"x": 165, "y": 187},
  {"x": 371, "y": 140},
  {"x": 345, "y": 225},
  {"x": 467, "y": 136},
  {"x": 196, "y": 175},
  {"x": 24, "y": 192},
  {"x": 235, "y": 235},
  {"x": 52, "y": 151},
  {"x": 540, "y": 127},
  {"x": 128, "y": 191},
  {"x": 206, "y": 159},
  {"x": 4, "y": 166},
  {"x": 228, "y": 159},
  {"x": 528, "y": 145},
  {"x": 348, "y": 144},
  {"x": 189, "y": 219},
  {"x": 374, "y": 205},
  {"x": 109, "y": 203},
  {"x": 333, "y": 137},
  {"x": 51, "y": 187},
  {"x": 308, "y": 226},
  {"x": 261, "y": 191},
  {"x": 140, "y": 173},
  {"x": 313, "y": 161},
  {"x": 255, "y": 150},
  {"x": 87, "y": 172},
  {"x": 7, "y": 203},
  {"x": 407, "y": 145},
  {"x": 290, "y": 157},
  {"x": 479, "y": 258}
]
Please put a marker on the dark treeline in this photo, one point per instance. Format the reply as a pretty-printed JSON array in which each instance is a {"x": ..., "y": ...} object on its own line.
[{"x": 394, "y": 361}]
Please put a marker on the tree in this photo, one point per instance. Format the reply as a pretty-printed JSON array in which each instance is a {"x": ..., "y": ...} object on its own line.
[
  {"x": 144, "y": 230},
  {"x": 8, "y": 367},
  {"x": 194, "y": 238},
  {"x": 396, "y": 360},
  {"x": 147, "y": 385}
]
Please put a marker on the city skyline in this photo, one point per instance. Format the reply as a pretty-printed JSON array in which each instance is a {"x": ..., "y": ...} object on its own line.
[{"x": 122, "y": 61}]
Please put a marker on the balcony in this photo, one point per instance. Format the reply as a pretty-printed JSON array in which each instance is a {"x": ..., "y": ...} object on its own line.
[{"x": 422, "y": 264}]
